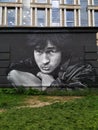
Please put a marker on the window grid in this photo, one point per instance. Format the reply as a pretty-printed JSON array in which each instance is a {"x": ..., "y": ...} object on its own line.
[{"x": 54, "y": 15}]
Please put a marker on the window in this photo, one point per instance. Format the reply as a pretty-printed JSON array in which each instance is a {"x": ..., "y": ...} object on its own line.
[
  {"x": 70, "y": 18},
  {"x": 69, "y": 2},
  {"x": 11, "y": 16},
  {"x": 0, "y": 15},
  {"x": 55, "y": 13},
  {"x": 26, "y": 16},
  {"x": 41, "y": 17},
  {"x": 55, "y": 17},
  {"x": 41, "y": 1},
  {"x": 55, "y": 4},
  {"x": 95, "y": 2},
  {"x": 84, "y": 17},
  {"x": 96, "y": 18},
  {"x": 8, "y": 0}
]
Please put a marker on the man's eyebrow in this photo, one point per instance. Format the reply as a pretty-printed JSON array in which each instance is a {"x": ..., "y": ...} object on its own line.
[{"x": 50, "y": 48}]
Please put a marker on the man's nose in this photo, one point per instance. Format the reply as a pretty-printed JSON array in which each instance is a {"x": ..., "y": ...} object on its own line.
[{"x": 45, "y": 58}]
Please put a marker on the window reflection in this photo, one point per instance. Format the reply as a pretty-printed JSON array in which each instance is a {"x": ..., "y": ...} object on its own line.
[
  {"x": 96, "y": 18},
  {"x": 70, "y": 18},
  {"x": 8, "y": 0},
  {"x": 84, "y": 17},
  {"x": 40, "y": 17},
  {"x": 41, "y": 1},
  {"x": 55, "y": 16},
  {"x": 55, "y": 13},
  {"x": 95, "y": 2},
  {"x": 10, "y": 17},
  {"x": 69, "y": 1},
  {"x": 0, "y": 15},
  {"x": 26, "y": 16}
]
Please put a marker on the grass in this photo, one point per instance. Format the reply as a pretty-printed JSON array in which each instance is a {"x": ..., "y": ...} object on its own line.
[
  {"x": 60, "y": 92},
  {"x": 80, "y": 114},
  {"x": 63, "y": 113},
  {"x": 7, "y": 101}
]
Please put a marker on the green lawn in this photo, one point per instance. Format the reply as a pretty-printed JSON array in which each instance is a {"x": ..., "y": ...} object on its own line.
[{"x": 75, "y": 114}]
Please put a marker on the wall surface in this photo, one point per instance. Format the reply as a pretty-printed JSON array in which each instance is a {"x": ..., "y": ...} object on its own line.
[{"x": 79, "y": 45}]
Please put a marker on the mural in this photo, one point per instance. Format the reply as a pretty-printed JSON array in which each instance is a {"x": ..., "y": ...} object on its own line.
[{"x": 50, "y": 60}]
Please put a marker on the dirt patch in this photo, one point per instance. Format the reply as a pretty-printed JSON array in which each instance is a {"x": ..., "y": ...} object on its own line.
[
  {"x": 40, "y": 101},
  {"x": 2, "y": 110},
  {"x": 38, "y": 104},
  {"x": 62, "y": 98}
]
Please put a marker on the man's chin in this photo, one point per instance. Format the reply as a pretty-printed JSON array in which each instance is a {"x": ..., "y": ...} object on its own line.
[{"x": 46, "y": 72}]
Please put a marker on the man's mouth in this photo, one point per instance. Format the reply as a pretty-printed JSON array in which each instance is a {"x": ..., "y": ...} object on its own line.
[{"x": 45, "y": 68}]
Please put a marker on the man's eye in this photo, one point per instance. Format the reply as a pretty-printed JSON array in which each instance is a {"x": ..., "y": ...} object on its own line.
[
  {"x": 39, "y": 51},
  {"x": 53, "y": 51}
]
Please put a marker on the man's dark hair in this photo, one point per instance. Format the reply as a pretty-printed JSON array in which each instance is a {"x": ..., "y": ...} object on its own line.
[{"x": 57, "y": 39}]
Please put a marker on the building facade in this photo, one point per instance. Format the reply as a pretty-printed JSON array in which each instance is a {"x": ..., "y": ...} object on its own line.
[{"x": 49, "y": 13}]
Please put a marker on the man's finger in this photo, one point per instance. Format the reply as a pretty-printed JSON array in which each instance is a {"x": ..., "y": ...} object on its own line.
[{"x": 40, "y": 74}]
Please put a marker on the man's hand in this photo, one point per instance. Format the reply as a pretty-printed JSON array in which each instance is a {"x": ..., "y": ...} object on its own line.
[{"x": 46, "y": 79}]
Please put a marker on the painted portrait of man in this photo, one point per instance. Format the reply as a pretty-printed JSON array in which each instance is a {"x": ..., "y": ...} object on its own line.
[{"x": 50, "y": 65}]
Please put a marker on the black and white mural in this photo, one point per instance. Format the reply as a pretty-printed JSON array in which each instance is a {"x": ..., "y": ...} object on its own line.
[{"x": 49, "y": 59}]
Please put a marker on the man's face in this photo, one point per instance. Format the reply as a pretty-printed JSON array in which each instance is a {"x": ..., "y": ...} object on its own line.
[{"x": 47, "y": 59}]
